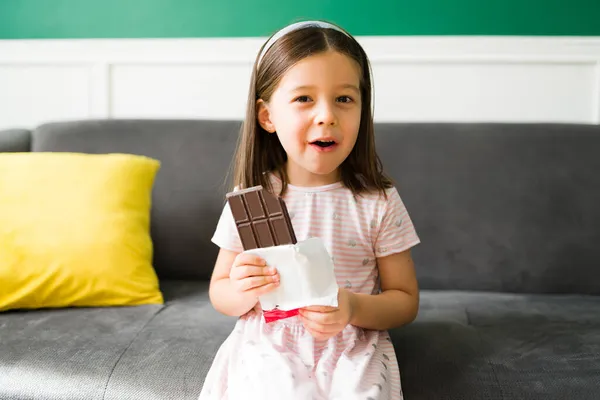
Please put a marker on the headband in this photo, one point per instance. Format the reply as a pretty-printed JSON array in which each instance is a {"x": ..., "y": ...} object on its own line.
[{"x": 294, "y": 27}]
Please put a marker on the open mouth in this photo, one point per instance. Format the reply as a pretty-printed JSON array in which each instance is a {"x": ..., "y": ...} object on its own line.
[{"x": 323, "y": 143}]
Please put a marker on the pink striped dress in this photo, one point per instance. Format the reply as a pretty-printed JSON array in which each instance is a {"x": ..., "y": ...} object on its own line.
[{"x": 281, "y": 360}]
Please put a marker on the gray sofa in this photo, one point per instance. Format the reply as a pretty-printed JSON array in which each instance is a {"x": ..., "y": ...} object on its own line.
[{"x": 509, "y": 266}]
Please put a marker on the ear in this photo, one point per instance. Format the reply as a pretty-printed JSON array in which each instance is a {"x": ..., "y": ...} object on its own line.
[{"x": 263, "y": 116}]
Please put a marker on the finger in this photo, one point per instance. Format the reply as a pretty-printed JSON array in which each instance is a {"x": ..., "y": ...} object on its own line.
[
  {"x": 257, "y": 281},
  {"x": 248, "y": 259},
  {"x": 320, "y": 328},
  {"x": 259, "y": 291},
  {"x": 244, "y": 271},
  {"x": 319, "y": 317},
  {"x": 321, "y": 309}
]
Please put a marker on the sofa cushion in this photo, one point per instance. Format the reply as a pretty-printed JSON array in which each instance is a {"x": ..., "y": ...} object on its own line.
[
  {"x": 462, "y": 346},
  {"x": 501, "y": 346},
  {"x": 189, "y": 191},
  {"x": 65, "y": 353},
  {"x": 74, "y": 230},
  {"x": 171, "y": 356}
]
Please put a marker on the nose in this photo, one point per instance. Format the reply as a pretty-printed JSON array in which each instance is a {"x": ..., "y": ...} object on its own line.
[{"x": 326, "y": 114}]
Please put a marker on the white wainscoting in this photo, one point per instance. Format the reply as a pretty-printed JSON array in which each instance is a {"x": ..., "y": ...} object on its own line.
[{"x": 432, "y": 79}]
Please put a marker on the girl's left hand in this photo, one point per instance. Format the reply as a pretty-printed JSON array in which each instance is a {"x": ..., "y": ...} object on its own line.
[{"x": 325, "y": 322}]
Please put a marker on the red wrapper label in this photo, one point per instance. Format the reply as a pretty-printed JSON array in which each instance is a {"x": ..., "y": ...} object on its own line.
[{"x": 274, "y": 315}]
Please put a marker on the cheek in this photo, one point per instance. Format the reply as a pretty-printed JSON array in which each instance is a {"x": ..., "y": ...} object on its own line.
[
  {"x": 291, "y": 128},
  {"x": 291, "y": 141},
  {"x": 357, "y": 117},
  {"x": 287, "y": 119},
  {"x": 353, "y": 125},
  {"x": 357, "y": 125}
]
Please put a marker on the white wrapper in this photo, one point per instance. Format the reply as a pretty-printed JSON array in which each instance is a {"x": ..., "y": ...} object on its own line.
[{"x": 306, "y": 272}]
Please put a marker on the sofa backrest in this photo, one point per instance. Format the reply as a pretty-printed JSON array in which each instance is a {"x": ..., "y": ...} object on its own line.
[
  {"x": 189, "y": 190},
  {"x": 499, "y": 207},
  {"x": 15, "y": 141}
]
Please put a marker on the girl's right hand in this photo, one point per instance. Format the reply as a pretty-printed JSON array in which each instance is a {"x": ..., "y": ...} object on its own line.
[{"x": 250, "y": 275}]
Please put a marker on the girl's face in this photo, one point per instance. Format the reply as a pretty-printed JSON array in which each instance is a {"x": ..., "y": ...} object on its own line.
[{"x": 315, "y": 111}]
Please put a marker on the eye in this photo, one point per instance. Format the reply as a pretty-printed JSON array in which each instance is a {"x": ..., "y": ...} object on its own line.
[
  {"x": 302, "y": 99},
  {"x": 345, "y": 99}
]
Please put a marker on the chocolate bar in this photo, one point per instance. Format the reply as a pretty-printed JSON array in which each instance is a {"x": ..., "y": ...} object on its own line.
[{"x": 261, "y": 218}]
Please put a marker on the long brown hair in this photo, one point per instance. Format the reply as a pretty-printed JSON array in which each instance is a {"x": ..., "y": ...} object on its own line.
[{"x": 259, "y": 152}]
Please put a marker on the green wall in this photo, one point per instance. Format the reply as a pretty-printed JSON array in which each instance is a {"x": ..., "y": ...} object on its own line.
[{"x": 24, "y": 19}]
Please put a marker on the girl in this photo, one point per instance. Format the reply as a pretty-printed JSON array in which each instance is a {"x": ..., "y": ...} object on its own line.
[{"x": 308, "y": 136}]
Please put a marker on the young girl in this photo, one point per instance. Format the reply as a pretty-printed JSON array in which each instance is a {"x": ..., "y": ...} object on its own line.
[{"x": 308, "y": 136}]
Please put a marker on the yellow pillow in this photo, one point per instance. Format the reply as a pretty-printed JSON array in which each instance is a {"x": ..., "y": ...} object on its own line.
[{"x": 75, "y": 230}]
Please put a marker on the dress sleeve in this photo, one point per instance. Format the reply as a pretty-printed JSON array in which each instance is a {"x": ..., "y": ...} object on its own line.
[
  {"x": 396, "y": 231},
  {"x": 226, "y": 235}
]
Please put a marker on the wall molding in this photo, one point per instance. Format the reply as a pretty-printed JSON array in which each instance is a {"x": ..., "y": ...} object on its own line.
[{"x": 556, "y": 79}]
